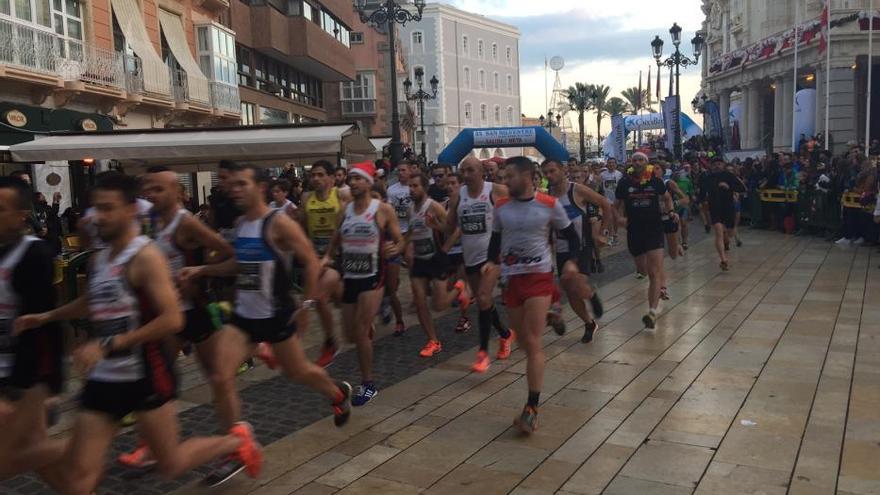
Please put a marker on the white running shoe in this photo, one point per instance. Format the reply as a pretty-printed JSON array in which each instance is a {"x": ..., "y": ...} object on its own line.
[
  {"x": 843, "y": 241},
  {"x": 859, "y": 241}
]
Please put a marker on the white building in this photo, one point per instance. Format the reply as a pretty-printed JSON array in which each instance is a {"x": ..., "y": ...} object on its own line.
[
  {"x": 749, "y": 64},
  {"x": 476, "y": 60}
]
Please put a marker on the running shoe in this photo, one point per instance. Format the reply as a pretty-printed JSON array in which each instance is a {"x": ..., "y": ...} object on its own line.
[
  {"x": 128, "y": 420},
  {"x": 596, "y": 304},
  {"x": 724, "y": 266},
  {"x": 843, "y": 241},
  {"x": 463, "y": 325},
  {"x": 640, "y": 276},
  {"x": 249, "y": 452},
  {"x": 328, "y": 351},
  {"x": 245, "y": 366},
  {"x": 557, "y": 323},
  {"x": 650, "y": 321},
  {"x": 504, "y": 345},
  {"x": 708, "y": 228},
  {"x": 224, "y": 472},
  {"x": 685, "y": 246},
  {"x": 589, "y": 329},
  {"x": 364, "y": 394},
  {"x": 399, "y": 329},
  {"x": 265, "y": 354},
  {"x": 139, "y": 458},
  {"x": 342, "y": 409},
  {"x": 739, "y": 243},
  {"x": 431, "y": 348},
  {"x": 664, "y": 293},
  {"x": 859, "y": 241},
  {"x": 527, "y": 422},
  {"x": 463, "y": 298},
  {"x": 385, "y": 310},
  {"x": 481, "y": 365}
]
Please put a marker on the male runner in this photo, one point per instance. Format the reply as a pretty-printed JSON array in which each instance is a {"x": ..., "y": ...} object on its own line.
[
  {"x": 473, "y": 211},
  {"x": 573, "y": 276},
  {"x": 30, "y": 365},
  {"x": 452, "y": 245},
  {"x": 133, "y": 307},
  {"x": 400, "y": 200},
  {"x": 264, "y": 308},
  {"x": 360, "y": 235},
  {"x": 609, "y": 179},
  {"x": 430, "y": 265},
  {"x": 521, "y": 237},
  {"x": 717, "y": 190},
  {"x": 183, "y": 240},
  {"x": 322, "y": 208},
  {"x": 638, "y": 202},
  {"x": 280, "y": 190},
  {"x": 340, "y": 175},
  {"x": 682, "y": 207}
]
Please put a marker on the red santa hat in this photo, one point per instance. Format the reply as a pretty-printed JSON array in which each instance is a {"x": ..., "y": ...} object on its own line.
[{"x": 367, "y": 170}]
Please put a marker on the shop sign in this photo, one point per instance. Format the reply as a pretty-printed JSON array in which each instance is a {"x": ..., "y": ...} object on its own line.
[
  {"x": 15, "y": 118},
  {"x": 88, "y": 125}
]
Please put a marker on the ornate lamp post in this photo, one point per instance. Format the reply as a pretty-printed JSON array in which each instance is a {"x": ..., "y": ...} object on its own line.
[
  {"x": 421, "y": 95},
  {"x": 676, "y": 61},
  {"x": 389, "y": 14}
]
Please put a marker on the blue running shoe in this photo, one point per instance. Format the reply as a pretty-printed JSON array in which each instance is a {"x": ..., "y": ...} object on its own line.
[{"x": 364, "y": 394}]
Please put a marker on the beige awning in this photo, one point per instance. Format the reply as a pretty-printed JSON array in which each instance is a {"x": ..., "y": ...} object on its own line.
[
  {"x": 131, "y": 21},
  {"x": 172, "y": 28},
  {"x": 201, "y": 145},
  {"x": 380, "y": 143}
]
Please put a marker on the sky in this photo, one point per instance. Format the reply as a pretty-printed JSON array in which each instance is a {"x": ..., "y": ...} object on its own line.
[{"x": 602, "y": 41}]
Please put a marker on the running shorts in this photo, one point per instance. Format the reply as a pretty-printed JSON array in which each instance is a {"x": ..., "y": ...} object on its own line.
[
  {"x": 272, "y": 330},
  {"x": 642, "y": 240},
  {"x": 473, "y": 270},
  {"x": 455, "y": 260},
  {"x": 725, "y": 216},
  {"x": 198, "y": 325},
  {"x": 521, "y": 288},
  {"x": 583, "y": 262},
  {"x": 436, "y": 268},
  {"x": 670, "y": 226},
  {"x": 353, "y": 287},
  {"x": 119, "y": 399},
  {"x": 684, "y": 213},
  {"x": 38, "y": 359}
]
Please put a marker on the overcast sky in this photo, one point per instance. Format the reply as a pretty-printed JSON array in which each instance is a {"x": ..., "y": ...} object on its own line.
[{"x": 602, "y": 42}]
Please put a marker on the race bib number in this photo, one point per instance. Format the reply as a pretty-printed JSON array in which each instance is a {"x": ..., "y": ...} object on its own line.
[
  {"x": 424, "y": 248},
  {"x": 610, "y": 185},
  {"x": 357, "y": 263},
  {"x": 402, "y": 211},
  {"x": 642, "y": 203},
  {"x": 473, "y": 224},
  {"x": 109, "y": 328},
  {"x": 248, "y": 277}
]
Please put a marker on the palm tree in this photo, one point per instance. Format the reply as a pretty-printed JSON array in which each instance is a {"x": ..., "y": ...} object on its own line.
[
  {"x": 579, "y": 100},
  {"x": 598, "y": 102},
  {"x": 634, "y": 103},
  {"x": 616, "y": 106}
]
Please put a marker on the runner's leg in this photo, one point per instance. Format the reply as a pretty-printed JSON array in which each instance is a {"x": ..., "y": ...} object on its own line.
[
  {"x": 532, "y": 320},
  {"x": 392, "y": 282},
  {"x": 232, "y": 347},
  {"x": 24, "y": 446},
  {"x": 420, "y": 298},
  {"x": 83, "y": 462},
  {"x": 297, "y": 368},
  {"x": 720, "y": 240},
  {"x": 654, "y": 262}
]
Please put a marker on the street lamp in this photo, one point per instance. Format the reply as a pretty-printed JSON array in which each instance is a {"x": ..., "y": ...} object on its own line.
[
  {"x": 389, "y": 14},
  {"x": 676, "y": 60},
  {"x": 421, "y": 95}
]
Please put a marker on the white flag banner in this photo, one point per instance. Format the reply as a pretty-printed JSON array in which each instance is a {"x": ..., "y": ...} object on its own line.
[
  {"x": 618, "y": 143},
  {"x": 671, "y": 120}
]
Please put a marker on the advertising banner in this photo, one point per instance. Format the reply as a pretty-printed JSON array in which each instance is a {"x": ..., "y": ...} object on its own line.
[{"x": 504, "y": 137}]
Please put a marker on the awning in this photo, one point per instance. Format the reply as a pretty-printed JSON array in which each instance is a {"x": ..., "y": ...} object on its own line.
[
  {"x": 197, "y": 84},
  {"x": 201, "y": 145},
  {"x": 380, "y": 143},
  {"x": 128, "y": 13}
]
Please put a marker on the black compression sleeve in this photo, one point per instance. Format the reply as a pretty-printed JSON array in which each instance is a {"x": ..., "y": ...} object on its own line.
[
  {"x": 495, "y": 247},
  {"x": 574, "y": 241}
]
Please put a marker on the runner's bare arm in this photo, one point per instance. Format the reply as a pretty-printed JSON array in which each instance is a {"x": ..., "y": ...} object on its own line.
[
  {"x": 451, "y": 240},
  {"x": 452, "y": 215},
  {"x": 667, "y": 202},
  {"x": 590, "y": 196},
  {"x": 150, "y": 274},
  {"x": 344, "y": 197},
  {"x": 300, "y": 213},
  {"x": 196, "y": 234},
  {"x": 390, "y": 224},
  {"x": 289, "y": 236},
  {"x": 333, "y": 246},
  {"x": 76, "y": 309},
  {"x": 621, "y": 213},
  {"x": 438, "y": 216},
  {"x": 675, "y": 190}
]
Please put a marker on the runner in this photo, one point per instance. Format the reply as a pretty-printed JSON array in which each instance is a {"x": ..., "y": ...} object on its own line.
[
  {"x": 280, "y": 190},
  {"x": 452, "y": 246},
  {"x": 264, "y": 309},
  {"x": 717, "y": 190},
  {"x": 473, "y": 211},
  {"x": 638, "y": 200},
  {"x": 671, "y": 221},
  {"x": 490, "y": 168},
  {"x": 132, "y": 306},
  {"x": 30, "y": 365},
  {"x": 686, "y": 185},
  {"x": 521, "y": 237},
  {"x": 182, "y": 239},
  {"x": 340, "y": 175},
  {"x": 320, "y": 214},
  {"x": 399, "y": 198},
  {"x": 360, "y": 236},
  {"x": 430, "y": 263},
  {"x": 574, "y": 198},
  {"x": 608, "y": 179}
]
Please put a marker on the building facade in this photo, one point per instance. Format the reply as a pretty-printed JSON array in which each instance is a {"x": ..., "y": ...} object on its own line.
[
  {"x": 749, "y": 67},
  {"x": 476, "y": 60}
]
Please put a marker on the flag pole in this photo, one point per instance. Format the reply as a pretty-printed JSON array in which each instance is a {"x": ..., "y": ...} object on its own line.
[
  {"x": 828, "y": 77},
  {"x": 797, "y": 20},
  {"x": 870, "y": 76}
]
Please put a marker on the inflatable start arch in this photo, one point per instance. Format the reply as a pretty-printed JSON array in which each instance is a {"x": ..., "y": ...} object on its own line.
[{"x": 502, "y": 137}]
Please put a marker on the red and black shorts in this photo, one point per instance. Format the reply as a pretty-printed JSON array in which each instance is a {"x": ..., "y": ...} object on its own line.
[{"x": 521, "y": 288}]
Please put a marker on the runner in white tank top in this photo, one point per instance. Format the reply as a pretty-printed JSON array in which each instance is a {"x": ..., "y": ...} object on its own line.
[
  {"x": 399, "y": 198},
  {"x": 452, "y": 244},
  {"x": 473, "y": 213}
]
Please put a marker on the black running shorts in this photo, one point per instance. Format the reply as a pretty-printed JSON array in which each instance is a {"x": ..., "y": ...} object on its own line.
[
  {"x": 352, "y": 288},
  {"x": 582, "y": 262},
  {"x": 38, "y": 359},
  {"x": 724, "y": 216},
  {"x": 641, "y": 240},
  {"x": 272, "y": 330},
  {"x": 436, "y": 268},
  {"x": 198, "y": 326}
]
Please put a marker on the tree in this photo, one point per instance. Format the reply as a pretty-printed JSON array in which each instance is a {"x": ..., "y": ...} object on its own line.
[
  {"x": 616, "y": 106},
  {"x": 634, "y": 103},
  {"x": 579, "y": 101},
  {"x": 598, "y": 102}
]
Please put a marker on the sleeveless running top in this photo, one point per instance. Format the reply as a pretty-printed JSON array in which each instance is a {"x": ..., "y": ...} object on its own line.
[
  {"x": 577, "y": 216},
  {"x": 400, "y": 200},
  {"x": 177, "y": 258},
  {"x": 115, "y": 309},
  {"x": 423, "y": 237},
  {"x": 475, "y": 217},
  {"x": 9, "y": 304},
  {"x": 321, "y": 218},
  {"x": 361, "y": 242},
  {"x": 263, "y": 281},
  {"x": 525, "y": 233}
]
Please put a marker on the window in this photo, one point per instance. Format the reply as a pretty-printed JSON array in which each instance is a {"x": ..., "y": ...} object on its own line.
[
  {"x": 359, "y": 96},
  {"x": 468, "y": 112},
  {"x": 467, "y": 77},
  {"x": 335, "y": 28},
  {"x": 273, "y": 116},
  {"x": 497, "y": 115},
  {"x": 267, "y": 74},
  {"x": 216, "y": 54},
  {"x": 494, "y": 52},
  {"x": 509, "y": 56},
  {"x": 64, "y": 17},
  {"x": 495, "y": 82},
  {"x": 357, "y": 38},
  {"x": 480, "y": 48},
  {"x": 509, "y": 84},
  {"x": 417, "y": 44},
  {"x": 464, "y": 45},
  {"x": 483, "y": 110},
  {"x": 482, "y": 79},
  {"x": 245, "y": 66},
  {"x": 509, "y": 116},
  {"x": 248, "y": 114}
]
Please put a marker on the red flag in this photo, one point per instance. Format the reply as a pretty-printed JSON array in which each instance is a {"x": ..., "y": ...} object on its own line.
[
  {"x": 826, "y": 26},
  {"x": 649, "y": 85},
  {"x": 639, "y": 99}
]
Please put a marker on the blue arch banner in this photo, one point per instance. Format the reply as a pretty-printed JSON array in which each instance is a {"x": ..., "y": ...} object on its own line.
[{"x": 502, "y": 137}]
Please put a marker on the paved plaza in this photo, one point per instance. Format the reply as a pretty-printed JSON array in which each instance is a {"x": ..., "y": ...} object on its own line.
[{"x": 764, "y": 379}]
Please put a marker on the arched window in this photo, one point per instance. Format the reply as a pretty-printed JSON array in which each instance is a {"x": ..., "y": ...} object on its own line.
[
  {"x": 483, "y": 117},
  {"x": 467, "y": 77},
  {"x": 497, "y": 115},
  {"x": 509, "y": 84},
  {"x": 494, "y": 52},
  {"x": 464, "y": 45},
  {"x": 509, "y": 116},
  {"x": 495, "y": 85},
  {"x": 418, "y": 44},
  {"x": 482, "y": 79},
  {"x": 468, "y": 112},
  {"x": 509, "y": 56},
  {"x": 480, "y": 48}
]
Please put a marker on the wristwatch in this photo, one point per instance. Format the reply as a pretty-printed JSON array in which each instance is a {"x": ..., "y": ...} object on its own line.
[{"x": 309, "y": 304}]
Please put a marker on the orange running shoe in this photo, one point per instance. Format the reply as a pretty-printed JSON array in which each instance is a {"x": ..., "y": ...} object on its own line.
[
  {"x": 139, "y": 458},
  {"x": 481, "y": 365},
  {"x": 431, "y": 348},
  {"x": 328, "y": 352},
  {"x": 250, "y": 452},
  {"x": 464, "y": 298},
  {"x": 504, "y": 345},
  {"x": 265, "y": 354}
]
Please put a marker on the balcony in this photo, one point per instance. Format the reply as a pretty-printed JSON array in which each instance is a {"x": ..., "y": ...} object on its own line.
[
  {"x": 225, "y": 97},
  {"x": 28, "y": 48}
]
